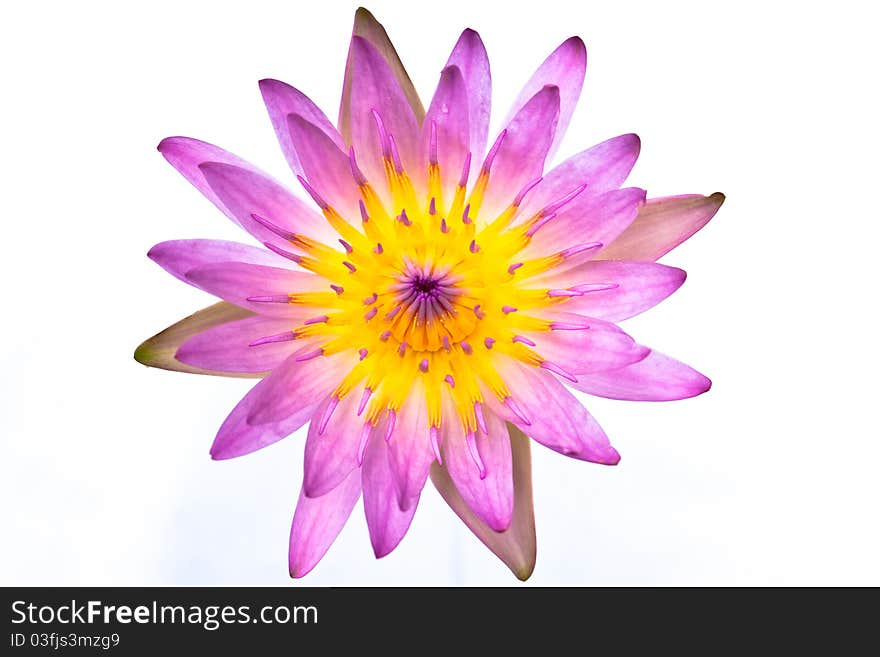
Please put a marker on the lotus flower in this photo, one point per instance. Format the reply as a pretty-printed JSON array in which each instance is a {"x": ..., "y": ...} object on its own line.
[{"x": 426, "y": 315}]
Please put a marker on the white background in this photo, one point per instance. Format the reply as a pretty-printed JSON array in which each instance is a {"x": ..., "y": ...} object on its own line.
[{"x": 771, "y": 478}]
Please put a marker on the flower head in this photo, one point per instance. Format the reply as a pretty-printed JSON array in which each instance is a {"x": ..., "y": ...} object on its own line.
[{"x": 425, "y": 313}]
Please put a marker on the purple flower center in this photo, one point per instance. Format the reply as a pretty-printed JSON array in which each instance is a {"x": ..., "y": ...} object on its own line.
[
  {"x": 425, "y": 293},
  {"x": 425, "y": 285}
]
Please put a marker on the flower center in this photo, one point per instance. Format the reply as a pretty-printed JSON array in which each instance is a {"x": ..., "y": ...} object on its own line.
[
  {"x": 428, "y": 294},
  {"x": 424, "y": 297}
]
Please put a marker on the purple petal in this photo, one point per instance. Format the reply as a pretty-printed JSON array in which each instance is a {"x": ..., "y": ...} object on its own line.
[
  {"x": 601, "y": 168},
  {"x": 516, "y": 547},
  {"x": 447, "y": 123},
  {"x": 663, "y": 224},
  {"x": 605, "y": 216},
  {"x": 469, "y": 55},
  {"x": 330, "y": 456},
  {"x": 240, "y": 434},
  {"x": 186, "y": 154},
  {"x": 557, "y": 419},
  {"x": 655, "y": 378},
  {"x": 245, "y": 193},
  {"x": 159, "y": 350},
  {"x": 325, "y": 166},
  {"x": 587, "y": 218},
  {"x": 521, "y": 155},
  {"x": 367, "y": 27},
  {"x": 639, "y": 286},
  {"x": 599, "y": 348},
  {"x": 297, "y": 384},
  {"x": 236, "y": 282},
  {"x": 282, "y": 100},
  {"x": 490, "y": 497},
  {"x": 189, "y": 157},
  {"x": 317, "y": 522},
  {"x": 409, "y": 449},
  {"x": 386, "y": 521},
  {"x": 180, "y": 256},
  {"x": 565, "y": 68},
  {"x": 375, "y": 88},
  {"x": 227, "y": 347}
]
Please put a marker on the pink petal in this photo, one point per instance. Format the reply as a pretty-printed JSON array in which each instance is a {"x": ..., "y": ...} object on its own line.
[
  {"x": 656, "y": 378},
  {"x": 282, "y": 100},
  {"x": 565, "y": 68},
  {"x": 236, "y": 282},
  {"x": 180, "y": 256},
  {"x": 447, "y": 121},
  {"x": 326, "y": 167},
  {"x": 490, "y": 495},
  {"x": 520, "y": 157},
  {"x": 516, "y": 547},
  {"x": 587, "y": 218},
  {"x": 229, "y": 192},
  {"x": 386, "y": 521},
  {"x": 599, "y": 348},
  {"x": 604, "y": 217},
  {"x": 186, "y": 154},
  {"x": 367, "y": 27},
  {"x": 159, "y": 350},
  {"x": 227, "y": 347},
  {"x": 298, "y": 384},
  {"x": 269, "y": 412},
  {"x": 557, "y": 419},
  {"x": 469, "y": 55},
  {"x": 663, "y": 224},
  {"x": 330, "y": 456},
  {"x": 640, "y": 286},
  {"x": 601, "y": 168},
  {"x": 409, "y": 449},
  {"x": 247, "y": 192},
  {"x": 317, "y": 522},
  {"x": 375, "y": 88}
]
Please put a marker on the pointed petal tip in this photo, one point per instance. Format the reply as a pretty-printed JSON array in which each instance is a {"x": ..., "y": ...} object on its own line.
[
  {"x": 717, "y": 197},
  {"x": 524, "y": 572},
  {"x": 382, "y": 548},
  {"x": 143, "y": 354},
  {"x": 405, "y": 503},
  {"x": 218, "y": 453},
  {"x": 500, "y": 524},
  {"x": 297, "y": 571},
  {"x": 450, "y": 70},
  {"x": 296, "y": 120},
  {"x": 315, "y": 487},
  {"x": 179, "y": 144},
  {"x": 704, "y": 386},
  {"x": 169, "y": 143},
  {"x": 609, "y": 456},
  {"x": 612, "y": 457},
  {"x": 551, "y": 89},
  {"x": 635, "y": 141},
  {"x": 150, "y": 355},
  {"x": 270, "y": 86},
  {"x": 576, "y": 44},
  {"x": 152, "y": 254}
]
